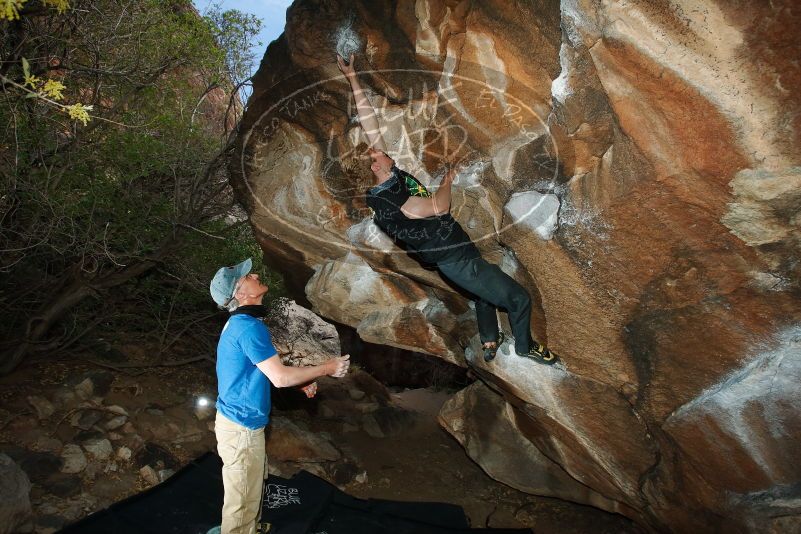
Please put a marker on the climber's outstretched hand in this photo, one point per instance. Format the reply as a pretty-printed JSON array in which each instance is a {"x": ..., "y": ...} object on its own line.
[
  {"x": 453, "y": 163},
  {"x": 346, "y": 68}
]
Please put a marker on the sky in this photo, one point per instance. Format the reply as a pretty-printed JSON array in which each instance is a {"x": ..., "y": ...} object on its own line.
[{"x": 271, "y": 12}]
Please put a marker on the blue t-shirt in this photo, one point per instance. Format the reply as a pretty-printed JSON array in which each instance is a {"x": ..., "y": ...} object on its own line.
[{"x": 243, "y": 391}]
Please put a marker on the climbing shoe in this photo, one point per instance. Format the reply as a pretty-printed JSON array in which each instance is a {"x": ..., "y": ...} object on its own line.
[
  {"x": 490, "y": 352},
  {"x": 540, "y": 354}
]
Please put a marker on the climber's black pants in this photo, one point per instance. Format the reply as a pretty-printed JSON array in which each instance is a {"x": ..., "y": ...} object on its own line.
[{"x": 491, "y": 289}]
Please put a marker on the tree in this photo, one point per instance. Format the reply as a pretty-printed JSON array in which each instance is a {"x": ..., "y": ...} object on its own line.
[
  {"x": 234, "y": 32},
  {"x": 120, "y": 213}
]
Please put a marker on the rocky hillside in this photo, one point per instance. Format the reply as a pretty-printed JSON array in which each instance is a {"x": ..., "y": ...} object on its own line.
[{"x": 634, "y": 164}]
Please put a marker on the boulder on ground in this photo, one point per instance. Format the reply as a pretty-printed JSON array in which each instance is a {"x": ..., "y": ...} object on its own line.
[
  {"x": 124, "y": 454},
  {"x": 305, "y": 337},
  {"x": 44, "y": 408},
  {"x": 149, "y": 475},
  {"x": 15, "y": 504},
  {"x": 286, "y": 441},
  {"x": 74, "y": 459},
  {"x": 100, "y": 448}
]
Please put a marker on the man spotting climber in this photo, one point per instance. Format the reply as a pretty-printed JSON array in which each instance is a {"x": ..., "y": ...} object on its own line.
[
  {"x": 246, "y": 365},
  {"x": 405, "y": 210}
]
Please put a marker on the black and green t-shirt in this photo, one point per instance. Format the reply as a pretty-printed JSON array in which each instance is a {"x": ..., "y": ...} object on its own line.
[{"x": 438, "y": 239}]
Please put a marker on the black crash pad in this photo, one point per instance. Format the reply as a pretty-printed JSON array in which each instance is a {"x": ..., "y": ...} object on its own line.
[{"x": 189, "y": 502}]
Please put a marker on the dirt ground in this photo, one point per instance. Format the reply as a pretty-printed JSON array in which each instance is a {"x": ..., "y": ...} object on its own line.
[
  {"x": 418, "y": 461},
  {"x": 424, "y": 463}
]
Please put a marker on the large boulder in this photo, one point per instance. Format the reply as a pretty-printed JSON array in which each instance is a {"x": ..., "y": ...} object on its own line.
[
  {"x": 390, "y": 309},
  {"x": 495, "y": 435},
  {"x": 636, "y": 166}
]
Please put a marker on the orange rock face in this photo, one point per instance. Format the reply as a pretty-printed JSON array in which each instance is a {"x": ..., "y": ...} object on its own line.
[{"x": 635, "y": 165}]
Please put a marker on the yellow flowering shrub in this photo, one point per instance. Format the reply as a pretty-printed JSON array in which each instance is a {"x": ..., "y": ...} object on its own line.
[
  {"x": 53, "y": 89},
  {"x": 32, "y": 84},
  {"x": 79, "y": 112},
  {"x": 60, "y": 5},
  {"x": 9, "y": 9},
  {"x": 31, "y": 80}
]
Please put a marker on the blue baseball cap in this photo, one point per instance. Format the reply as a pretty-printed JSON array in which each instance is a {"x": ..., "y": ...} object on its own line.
[{"x": 223, "y": 284}]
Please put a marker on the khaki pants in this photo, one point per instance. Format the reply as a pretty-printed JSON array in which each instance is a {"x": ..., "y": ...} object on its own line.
[{"x": 244, "y": 466}]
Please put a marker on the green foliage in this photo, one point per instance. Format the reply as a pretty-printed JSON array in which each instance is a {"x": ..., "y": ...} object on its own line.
[
  {"x": 235, "y": 32},
  {"x": 143, "y": 184},
  {"x": 209, "y": 255}
]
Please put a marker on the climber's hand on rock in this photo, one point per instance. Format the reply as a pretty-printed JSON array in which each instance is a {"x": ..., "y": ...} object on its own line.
[
  {"x": 455, "y": 159},
  {"x": 347, "y": 69},
  {"x": 453, "y": 165}
]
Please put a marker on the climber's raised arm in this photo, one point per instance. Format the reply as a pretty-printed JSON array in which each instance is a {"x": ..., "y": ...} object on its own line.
[{"x": 367, "y": 116}]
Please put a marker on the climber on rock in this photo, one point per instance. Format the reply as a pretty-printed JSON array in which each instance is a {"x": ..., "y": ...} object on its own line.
[{"x": 406, "y": 211}]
